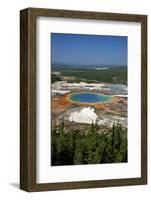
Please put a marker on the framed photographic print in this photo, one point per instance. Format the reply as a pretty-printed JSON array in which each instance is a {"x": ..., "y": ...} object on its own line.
[{"x": 83, "y": 93}]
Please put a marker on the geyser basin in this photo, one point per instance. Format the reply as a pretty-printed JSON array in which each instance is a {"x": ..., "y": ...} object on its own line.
[{"x": 89, "y": 97}]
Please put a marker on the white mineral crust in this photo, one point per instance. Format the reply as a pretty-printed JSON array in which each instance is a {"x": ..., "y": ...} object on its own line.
[{"x": 85, "y": 115}]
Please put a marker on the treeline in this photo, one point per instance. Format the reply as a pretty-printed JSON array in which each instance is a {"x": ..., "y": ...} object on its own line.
[
  {"x": 55, "y": 78},
  {"x": 111, "y": 75},
  {"x": 69, "y": 147}
]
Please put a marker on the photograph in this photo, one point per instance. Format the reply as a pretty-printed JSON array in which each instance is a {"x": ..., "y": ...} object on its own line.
[
  {"x": 83, "y": 99},
  {"x": 88, "y": 99}
]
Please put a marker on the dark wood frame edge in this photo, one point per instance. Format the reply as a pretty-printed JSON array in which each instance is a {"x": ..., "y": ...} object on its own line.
[{"x": 28, "y": 99}]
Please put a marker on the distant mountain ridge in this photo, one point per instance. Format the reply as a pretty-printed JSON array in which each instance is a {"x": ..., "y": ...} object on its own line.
[{"x": 55, "y": 66}]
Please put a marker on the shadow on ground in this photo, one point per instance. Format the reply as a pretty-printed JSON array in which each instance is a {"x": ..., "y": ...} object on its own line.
[{"x": 16, "y": 185}]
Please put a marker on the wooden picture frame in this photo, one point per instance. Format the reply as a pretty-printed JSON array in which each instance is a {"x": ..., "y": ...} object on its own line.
[{"x": 28, "y": 98}]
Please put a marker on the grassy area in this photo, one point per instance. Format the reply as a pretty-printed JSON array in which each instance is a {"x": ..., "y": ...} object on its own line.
[{"x": 110, "y": 75}]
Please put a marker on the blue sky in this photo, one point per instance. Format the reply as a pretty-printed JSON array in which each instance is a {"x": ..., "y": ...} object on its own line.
[{"x": 78, "y": 49}]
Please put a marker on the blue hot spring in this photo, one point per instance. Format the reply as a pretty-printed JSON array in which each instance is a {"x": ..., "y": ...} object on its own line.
[{"x": 88, "y": 97}]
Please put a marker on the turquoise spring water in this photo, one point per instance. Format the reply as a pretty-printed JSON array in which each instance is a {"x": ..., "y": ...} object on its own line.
[{"x": 87, "y": 97}]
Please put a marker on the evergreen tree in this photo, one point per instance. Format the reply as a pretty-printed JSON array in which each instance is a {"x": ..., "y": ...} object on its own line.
[{"x": 71, "y": 147}]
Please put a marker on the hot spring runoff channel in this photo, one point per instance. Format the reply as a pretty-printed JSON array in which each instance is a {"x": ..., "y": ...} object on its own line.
[{"x": 88, "y": 97}]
